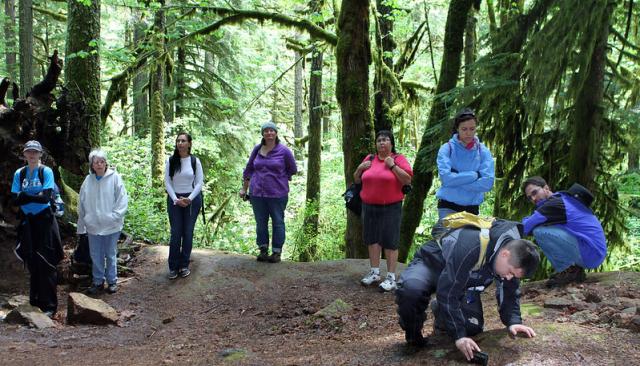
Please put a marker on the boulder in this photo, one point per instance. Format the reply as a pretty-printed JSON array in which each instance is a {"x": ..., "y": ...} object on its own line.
[
  {"x": 29, "y": 315},
  {"x": 584, "y": 317},
  {"x": 83, "y": 309},
  {"x": 16, "y": 301}
]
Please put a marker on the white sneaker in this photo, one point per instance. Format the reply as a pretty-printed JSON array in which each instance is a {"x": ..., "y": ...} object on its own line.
[
  {"x": 389, "y": 284},
  {"x": 370, "y": 278}
]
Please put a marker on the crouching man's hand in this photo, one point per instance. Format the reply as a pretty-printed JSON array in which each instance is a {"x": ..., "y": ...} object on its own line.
[
  {"x": 519, "y": 328},
  {"x": 467, "y": 346}
]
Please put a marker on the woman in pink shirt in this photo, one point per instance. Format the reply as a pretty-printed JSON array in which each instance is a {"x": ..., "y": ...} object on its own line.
[{"x": 382, "y": 177}]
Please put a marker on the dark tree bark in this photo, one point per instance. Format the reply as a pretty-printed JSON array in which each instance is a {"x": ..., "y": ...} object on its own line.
[
  {"x": 140, "y": 86},
  {"x": 26, "y": 45},
  {"x": 470, "y": 49},
  {"x": 312, "y": 206},
  {"x": 82, "y": 73},
  {"x": 587, "y": 117},
  {"x": 156, "y": 92},
  {"x": 297, "y": 110},
  {"x": 633, "y": 163},
  {"x": 436, "y": 132},
  {"x": 383, "y": 96},
  {"x": 353, "y": 56},
  {"x": 10, "y": 37}
]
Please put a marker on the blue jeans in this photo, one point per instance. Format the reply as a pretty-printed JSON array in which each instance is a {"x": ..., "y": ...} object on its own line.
[
  {"x": 182, "y": 221},
  {"x": 101, "y": 248},
  {"x": 263, "y": 208},
  {"x": 559, "y": 246}
]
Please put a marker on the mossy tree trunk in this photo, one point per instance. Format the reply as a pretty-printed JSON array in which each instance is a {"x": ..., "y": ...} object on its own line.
[
  {"x": 353, "y": 57},
  {"x": 140, "y": 84},
  {"x": 587, "y": 116},
  {"x": 437, "y": 127},
  {"x": 312, "y": 206},
  {"x": 10, "y": 37},
  {"x": 25, "y": 38},
  {"x": 297, "y": 104},
  {"x": 383, "y": 96},
  {"x": 156, "y": 91}
]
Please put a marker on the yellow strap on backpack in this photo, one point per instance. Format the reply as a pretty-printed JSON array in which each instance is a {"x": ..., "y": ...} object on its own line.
[{"x": 464, "y": 218}]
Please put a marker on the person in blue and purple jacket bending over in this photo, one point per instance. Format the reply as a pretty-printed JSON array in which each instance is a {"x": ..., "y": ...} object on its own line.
[
  {"x": 266, "y": 184},
  {"x": 566, "y": 230}
]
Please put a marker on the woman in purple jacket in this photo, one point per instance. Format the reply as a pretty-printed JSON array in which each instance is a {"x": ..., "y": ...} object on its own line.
[{"x": 267, "y": 175}]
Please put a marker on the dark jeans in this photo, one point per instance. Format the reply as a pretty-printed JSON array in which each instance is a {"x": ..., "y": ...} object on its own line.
[
  {"x": 263, "y": 208},
  {"x": 182, "y": 221},
  {"x": 41, "y": 262}
]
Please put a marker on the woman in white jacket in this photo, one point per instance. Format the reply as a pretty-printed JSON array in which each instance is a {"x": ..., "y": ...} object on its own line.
[{"x": 101, "y": 209}]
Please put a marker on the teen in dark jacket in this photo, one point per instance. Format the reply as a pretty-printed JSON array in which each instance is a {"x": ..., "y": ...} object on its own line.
[{"x": 448, "y": 268}]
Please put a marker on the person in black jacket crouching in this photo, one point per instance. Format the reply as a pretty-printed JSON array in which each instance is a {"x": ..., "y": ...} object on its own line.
[{"x": 453, "y": 268}]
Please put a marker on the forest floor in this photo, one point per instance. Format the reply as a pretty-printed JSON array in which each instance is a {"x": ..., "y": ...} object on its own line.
[{"x": 235, "y": 310}]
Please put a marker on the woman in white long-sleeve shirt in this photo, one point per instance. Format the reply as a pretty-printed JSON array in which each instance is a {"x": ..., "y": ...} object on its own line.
[
  {"x": 101, "y": 209},
  {"x": 183, "y": 180}
]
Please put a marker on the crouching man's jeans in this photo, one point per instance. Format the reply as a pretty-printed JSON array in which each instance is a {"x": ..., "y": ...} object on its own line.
[{"x": 559, "y": 246}]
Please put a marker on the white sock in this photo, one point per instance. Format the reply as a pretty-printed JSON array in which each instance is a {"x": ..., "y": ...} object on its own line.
[
  {"x": 391, "y": 275},
  {"x": 376, "y": 270}
]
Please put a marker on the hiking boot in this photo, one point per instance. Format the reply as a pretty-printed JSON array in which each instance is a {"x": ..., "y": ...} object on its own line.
[
  {"x": 389, "y": 284},
  {"x": 112, "y": 288},
  {"x": 370, "y": 278},
  {"x": 94, "y": 289},
  {"x": 173, "y": 275},
  {"x": 184, "y": 272},
  {"x": 573, "y": 274},
  {"x": 264, "y": 255},
  {"x": 414, "y": 338},
  {"x": 274, "y": 257}
]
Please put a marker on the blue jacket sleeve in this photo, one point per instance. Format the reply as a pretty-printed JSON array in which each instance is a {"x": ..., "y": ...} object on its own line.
[
  {"x": 508, "y": 298},
  {"x": 531, "y": 222},
  {"x": 487, "y": 172},
  {"x": 447, "y": 177}
]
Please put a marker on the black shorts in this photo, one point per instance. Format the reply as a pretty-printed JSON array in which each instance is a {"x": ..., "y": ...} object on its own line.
[{"x": 381, "y": 224}]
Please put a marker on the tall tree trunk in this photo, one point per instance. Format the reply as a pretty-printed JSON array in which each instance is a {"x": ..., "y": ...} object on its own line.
[
  {"x": 437, "y": 127},
  {"x": 181, "y": 84},
  {"x": 470, "y": 50},
  {"x": 297, "y": 104},
  {"x": 353, "y": 56},
  {"x": 82, "y": 74},
  {"x": 156, "y": 91},
  {"x": 633, "y": 162},
  {"x": 588, "y": 111},
  {"x": 139, "y": 85},
  {"x": 10, "y": 37},
  {"x": 312, "y": 206},
  {"x": 383, "y": 96},
  {"x": 26, "y": 46}
]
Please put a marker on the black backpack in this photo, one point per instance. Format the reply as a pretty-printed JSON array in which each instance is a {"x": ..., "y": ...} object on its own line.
[
  {"x": 54, "y": 192},
  {"x": 193, "y": 184}
]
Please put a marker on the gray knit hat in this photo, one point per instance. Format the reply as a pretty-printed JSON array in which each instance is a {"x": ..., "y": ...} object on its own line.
[{"x": 268, "y": 125}]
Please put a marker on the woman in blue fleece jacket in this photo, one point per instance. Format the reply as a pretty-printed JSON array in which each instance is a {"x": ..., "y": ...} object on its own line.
[{"x": 465, "y": 167}]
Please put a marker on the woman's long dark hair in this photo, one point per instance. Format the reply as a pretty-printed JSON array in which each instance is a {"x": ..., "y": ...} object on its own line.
[
  {"x": 174, "y": 160},
  {"x": 387, "y": 133}
]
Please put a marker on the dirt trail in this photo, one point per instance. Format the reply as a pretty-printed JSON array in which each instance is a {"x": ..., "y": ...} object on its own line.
[{"x": 234, "y": 310}]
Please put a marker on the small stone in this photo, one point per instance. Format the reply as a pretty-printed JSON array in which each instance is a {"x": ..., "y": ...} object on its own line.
[
  {"x": 334, "y": 310},
  {"x": 558, "y": 303}
]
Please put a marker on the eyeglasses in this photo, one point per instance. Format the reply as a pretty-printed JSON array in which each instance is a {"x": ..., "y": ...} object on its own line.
[
  {"x": 383, "y": 139},
  {"x": 534, "y": 192}
]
